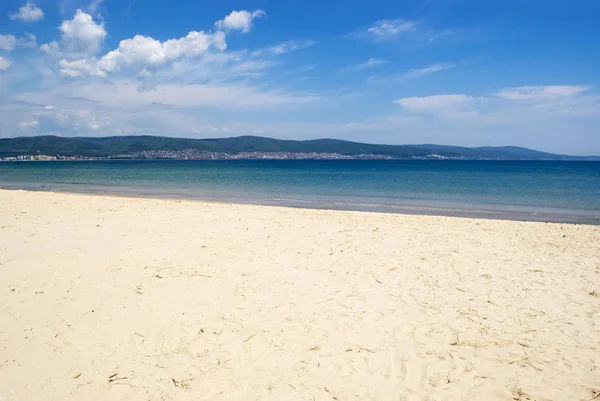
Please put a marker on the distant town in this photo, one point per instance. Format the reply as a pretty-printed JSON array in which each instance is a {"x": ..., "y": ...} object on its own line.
[{"x": 193, "y": 154}]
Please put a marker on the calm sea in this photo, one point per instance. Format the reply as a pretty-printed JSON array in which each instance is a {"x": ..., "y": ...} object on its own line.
[{"x": 522, "y": 190}]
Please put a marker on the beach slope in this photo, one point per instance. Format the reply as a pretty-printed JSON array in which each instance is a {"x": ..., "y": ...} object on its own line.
[{"x": 107, "y": 298}]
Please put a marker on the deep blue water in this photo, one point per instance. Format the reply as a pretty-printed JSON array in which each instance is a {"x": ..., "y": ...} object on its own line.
[{"x": 513, "y": 189}]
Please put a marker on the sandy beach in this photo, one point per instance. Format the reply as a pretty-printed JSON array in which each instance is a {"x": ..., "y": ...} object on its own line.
[{"x": 107, "y": 298}]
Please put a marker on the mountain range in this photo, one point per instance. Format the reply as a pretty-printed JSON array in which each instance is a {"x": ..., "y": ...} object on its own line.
[{"x": 126, "y": 145}]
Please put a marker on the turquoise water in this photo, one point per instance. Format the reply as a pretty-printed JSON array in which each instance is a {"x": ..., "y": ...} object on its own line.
[{"x": 527, "y": 190}]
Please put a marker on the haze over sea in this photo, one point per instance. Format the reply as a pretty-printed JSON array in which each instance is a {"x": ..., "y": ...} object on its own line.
[{"x": 520, "y": 190}]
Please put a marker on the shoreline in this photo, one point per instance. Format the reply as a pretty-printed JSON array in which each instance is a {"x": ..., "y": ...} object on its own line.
[{"x": 501, "y": 212}]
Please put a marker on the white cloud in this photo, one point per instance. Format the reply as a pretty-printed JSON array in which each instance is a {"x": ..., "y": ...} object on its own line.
[
  {"x": 78, "y": 68},
  {"x": 28, "y": 124},
  {"x": 82, "y": 34},
  {"x": 5, "y": 63},
  {"x": 80, "y": 37},
  {"x": 385, "y": 29},
  {"x": 536, "y": 93},
  {"x": 7, "y": 42},
  {"x": 437, "y": 104},
  {"x": 215, "y": 67},
  {"x": 430, "y": 69},
  {"x": 83, "y": 37},
  {"x": 143, "y": 51},
  {"x": 28, "y": 13},
  {"x": 239, "y": 20}
]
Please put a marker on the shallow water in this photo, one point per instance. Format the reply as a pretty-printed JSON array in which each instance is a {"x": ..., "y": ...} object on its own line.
[{"x": 521, "y": 190}]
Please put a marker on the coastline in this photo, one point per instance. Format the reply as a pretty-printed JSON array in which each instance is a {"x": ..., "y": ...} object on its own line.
[
  {"x": 424, "y": 208},
  {"x": 116, "y": 298}
]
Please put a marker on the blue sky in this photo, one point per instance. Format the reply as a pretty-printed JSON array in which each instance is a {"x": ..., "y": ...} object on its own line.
[{"x": 468, "y": 73}]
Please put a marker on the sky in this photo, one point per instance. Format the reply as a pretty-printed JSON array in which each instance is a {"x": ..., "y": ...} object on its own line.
[{"x": 468, "y": 73}]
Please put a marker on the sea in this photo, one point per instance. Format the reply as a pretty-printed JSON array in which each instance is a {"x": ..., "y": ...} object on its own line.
[{"x": 552, "y": 191}]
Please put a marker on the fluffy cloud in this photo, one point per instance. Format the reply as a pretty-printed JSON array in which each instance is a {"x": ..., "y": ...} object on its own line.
[
  {"x": 385, "y": 29},
  {"x": 28, "y": 13},
  {"x": 82, "y": 34},
  {"x": 143, "y": 51},
  {"x": 536, "y": 93},
  {"x": 78, "y": 68},
  {"x": 4, "y": 63},
  {"x": 239, "y": 20},
  {"x": 7, "y": 42},
  {"x": 82, "y": 37}
]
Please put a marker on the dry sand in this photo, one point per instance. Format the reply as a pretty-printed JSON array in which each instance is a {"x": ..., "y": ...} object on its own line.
[{"x": 106, "y": 298}]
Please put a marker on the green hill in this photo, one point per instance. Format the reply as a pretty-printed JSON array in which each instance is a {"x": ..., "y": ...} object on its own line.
[{"x": 121, "y": 145}]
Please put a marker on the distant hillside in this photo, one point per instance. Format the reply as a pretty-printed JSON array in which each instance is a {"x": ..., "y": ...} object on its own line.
[{"x": 121, "y": 145}]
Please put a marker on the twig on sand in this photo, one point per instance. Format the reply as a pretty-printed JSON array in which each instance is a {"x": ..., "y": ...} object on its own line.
[
  {"x": 327, "y": 391},
  {"x": 201, "y": 275},
  {"x": 249, "y": 338},
  {"x": 376, "y": 279},
  {"x": 327, "y": 300},
  {"x": 527, "y": 362}
]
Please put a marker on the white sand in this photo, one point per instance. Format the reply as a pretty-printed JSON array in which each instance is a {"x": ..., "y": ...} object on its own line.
[{"x": 180, "y": 300}]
